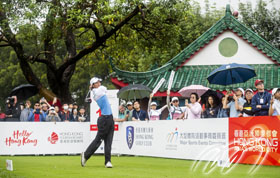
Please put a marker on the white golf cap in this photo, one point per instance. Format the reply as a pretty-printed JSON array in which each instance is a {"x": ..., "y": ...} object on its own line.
[
  {"x": 94, "y": 80},
  {"x": 274, "y": 90},
  {"x": 241, "y": 89},
  {"x": 129, "y": 103},
  {"x": 51, "y": 108},
  {"x": 249, "y": 89},
  {"x": 175, "y": 99},
  {"x": 153, "y": 103}
]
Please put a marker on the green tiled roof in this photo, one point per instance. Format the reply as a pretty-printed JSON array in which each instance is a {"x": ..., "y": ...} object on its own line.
[{"x": 187, "y": 75}]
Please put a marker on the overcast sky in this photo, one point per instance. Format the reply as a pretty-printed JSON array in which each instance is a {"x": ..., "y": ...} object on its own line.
[{"x": 234, "y": 3}]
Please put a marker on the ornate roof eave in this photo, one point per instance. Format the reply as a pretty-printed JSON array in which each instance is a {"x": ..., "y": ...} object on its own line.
[{"x": 228, "y": 22}]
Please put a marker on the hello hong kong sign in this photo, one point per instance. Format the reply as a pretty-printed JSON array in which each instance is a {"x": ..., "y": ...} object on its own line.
[{"x": 21, "y": 138}]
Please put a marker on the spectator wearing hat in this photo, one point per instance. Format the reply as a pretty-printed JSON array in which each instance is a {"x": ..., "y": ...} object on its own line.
[
  {"x": 153, "y": 112},
  {"x": 274, "y": 108},
  {"x": 129, "y": 111},
  {"x": 138, "y": 114},
  {"x": 247, "y": 106},
  {"x": 175, "y": 111},
  {"x": 52, "y": 116},
  {"x": 261, "y": 100},
  {"x": 235, "y": 106},
  {"x": 193, "y": 109}
]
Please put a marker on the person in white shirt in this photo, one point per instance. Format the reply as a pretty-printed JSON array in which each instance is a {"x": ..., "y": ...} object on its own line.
[
  {"x": 105, "y": 124},
  {"x": 153, "y": 112},
  {"x": 274, "y": 108},
  {"x": 193, "y": 109}
]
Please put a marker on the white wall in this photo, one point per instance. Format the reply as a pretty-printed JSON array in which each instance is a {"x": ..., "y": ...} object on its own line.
[{"x": 246, "y": 54}]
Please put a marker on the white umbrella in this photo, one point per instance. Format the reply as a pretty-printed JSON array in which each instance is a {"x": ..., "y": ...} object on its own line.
[{"x": 199, "y": 89}]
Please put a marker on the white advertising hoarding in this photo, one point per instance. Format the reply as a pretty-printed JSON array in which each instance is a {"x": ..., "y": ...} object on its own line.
[
  {"x": 198, "y": 139},
  {"x": 19, "y": 138}
]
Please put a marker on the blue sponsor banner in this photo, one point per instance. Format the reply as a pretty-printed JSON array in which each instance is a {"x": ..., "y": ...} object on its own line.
[{"x": 129, "y": 136}]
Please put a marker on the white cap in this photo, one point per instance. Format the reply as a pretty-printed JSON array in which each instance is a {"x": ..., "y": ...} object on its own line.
[
  {"x": 241, "y": 89},
  {"x": 94, "y": 80},
  {"x": 274, "y": 90},
  {"x": 153, "y": 103},
  {"x": 129, "y": 103},
  {"x": 249, "y": 89},
  {"x": 175, "y": 99}
]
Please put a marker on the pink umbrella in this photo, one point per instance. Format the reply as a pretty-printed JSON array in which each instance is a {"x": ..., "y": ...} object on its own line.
[{"x": 199, "y": 89}]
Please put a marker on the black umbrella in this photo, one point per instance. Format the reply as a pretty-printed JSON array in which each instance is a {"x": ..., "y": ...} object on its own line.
[
  {"x": 217, "y": 96},
  {"x": 24, "y": 91},
  {"x": 135, "y": 91}
]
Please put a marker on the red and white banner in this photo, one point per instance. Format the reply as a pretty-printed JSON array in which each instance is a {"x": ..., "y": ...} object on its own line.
[
  {"x": 251, "y": 140},
  {"x": 19, "y": 138},
  {"x": 255, "y": 140}
]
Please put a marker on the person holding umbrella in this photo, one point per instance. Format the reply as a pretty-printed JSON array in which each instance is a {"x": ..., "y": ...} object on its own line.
[
  {"x": 105, "y": 124},
  {"x": 235, "y": 106},
  {"x": 138, "y": 114},
  {"x": 193, "y": 109},
  {"x": 261, "y": 100}
]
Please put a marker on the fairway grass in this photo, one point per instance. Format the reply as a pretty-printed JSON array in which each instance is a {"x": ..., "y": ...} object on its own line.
[{"x": 124, "y": 166}]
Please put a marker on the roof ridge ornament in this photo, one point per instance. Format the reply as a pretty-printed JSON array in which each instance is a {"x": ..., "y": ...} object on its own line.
[
  {"x": 228, "y": 16},
  {"x": 228, "y": 11}
]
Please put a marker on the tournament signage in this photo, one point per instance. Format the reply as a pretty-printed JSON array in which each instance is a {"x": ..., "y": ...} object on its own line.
[
  {"x": 249, "y": 140},
  {"x": 186, "y": 139},
  {"x": 129, "y": 136},
  {"x": 255, "y": 140},
  {"x": 19, "y": 138}
]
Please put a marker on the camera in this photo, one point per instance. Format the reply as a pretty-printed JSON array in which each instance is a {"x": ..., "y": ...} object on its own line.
[
  {"x": 10, "y": 100},
  {"x": 52, "y": 111},
  {"x": 37, "y": 111}
]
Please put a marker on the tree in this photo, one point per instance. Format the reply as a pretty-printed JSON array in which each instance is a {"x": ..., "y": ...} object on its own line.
[
  {"x": 161, "y": 30},
  {"x": 168, "y": 27},
  {"x": 63, "y": 32},
  {"x": 262, "y": 20}
]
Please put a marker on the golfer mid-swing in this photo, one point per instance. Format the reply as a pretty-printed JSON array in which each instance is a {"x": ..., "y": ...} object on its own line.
[{"x": 105, "y": 124}]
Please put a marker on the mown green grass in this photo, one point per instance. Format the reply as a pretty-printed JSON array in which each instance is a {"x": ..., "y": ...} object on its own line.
[{"x": 124, "y": 166}]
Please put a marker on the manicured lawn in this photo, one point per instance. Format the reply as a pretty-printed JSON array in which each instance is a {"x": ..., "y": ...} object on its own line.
[{"x": 124, "y": 166}]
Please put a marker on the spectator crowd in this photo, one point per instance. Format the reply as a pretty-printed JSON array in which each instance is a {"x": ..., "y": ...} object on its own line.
[
  {"x": 237, "y": 103},
  {"x": 42, "y": 111}
]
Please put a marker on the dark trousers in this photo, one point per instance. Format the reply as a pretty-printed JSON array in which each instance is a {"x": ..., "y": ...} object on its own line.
[{"x": 105, "y": 124}]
